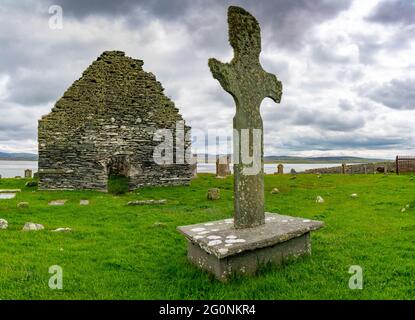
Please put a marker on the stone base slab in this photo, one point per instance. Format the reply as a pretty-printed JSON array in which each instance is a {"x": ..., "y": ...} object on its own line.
[{"x": 222, "y": 250}]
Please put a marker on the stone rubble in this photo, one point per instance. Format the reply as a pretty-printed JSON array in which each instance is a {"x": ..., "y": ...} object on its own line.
[{"x": 3, "y": 224}]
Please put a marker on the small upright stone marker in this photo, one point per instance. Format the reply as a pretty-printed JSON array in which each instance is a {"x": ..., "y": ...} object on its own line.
[
  {"x": 213, "y": 194},
  {"x": 239, "y": 245},
  {"x": 222, "y": 167},
  {"x": 193, "y": 166},
  {"x": 280, "y": 169},
  {"x": 28, "y": 173}
]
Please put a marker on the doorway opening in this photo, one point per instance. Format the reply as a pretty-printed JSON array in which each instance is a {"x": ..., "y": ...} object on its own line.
[{"x": 118, "y": 172}]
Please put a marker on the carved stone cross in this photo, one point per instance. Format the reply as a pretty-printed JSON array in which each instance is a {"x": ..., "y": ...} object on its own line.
[{"x": 248, "y": 84}]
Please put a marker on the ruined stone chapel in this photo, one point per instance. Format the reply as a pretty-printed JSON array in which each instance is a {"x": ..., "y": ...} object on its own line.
[{"x": 105, "y": 124}]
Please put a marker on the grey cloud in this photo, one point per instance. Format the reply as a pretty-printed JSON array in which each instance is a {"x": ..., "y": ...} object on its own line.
[
  {"x": 36, "y": 88},
  {"x": 345, "y": 105},
  {"x": 281, "y": 67},
  {"x": 290, "y": 20},
  {"x": 396, "y": 94},
  {"x": 16, "y": 123},
  {"x": 347, "y": 73},
  {"x": 166, "y": 9},
  {"x": 326, "y": 54},
  {"x": 346, "y": 141},
  {"x": 394, "y": 12},
  {"x": 51, "y": 64},
  {"x": 327, "y": 120}
]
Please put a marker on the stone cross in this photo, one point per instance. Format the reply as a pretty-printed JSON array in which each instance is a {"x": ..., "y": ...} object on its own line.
[{"x": 248, "y": 84}]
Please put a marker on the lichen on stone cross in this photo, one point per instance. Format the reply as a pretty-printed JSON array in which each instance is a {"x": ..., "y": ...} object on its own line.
[{"x": 248, "y": 84}]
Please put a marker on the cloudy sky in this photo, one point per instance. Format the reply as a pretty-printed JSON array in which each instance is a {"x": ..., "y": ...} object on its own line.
[{"x": 347, "y": 66}]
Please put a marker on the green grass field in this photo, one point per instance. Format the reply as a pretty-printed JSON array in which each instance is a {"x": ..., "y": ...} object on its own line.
[{"x": 121, "y": 252}]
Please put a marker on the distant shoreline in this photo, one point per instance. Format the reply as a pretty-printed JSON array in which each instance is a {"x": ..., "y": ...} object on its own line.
[
  {"x": 323, "y": 162},
  {"x": 212, "y": 158},
  {"x": 267, "y": 162}
]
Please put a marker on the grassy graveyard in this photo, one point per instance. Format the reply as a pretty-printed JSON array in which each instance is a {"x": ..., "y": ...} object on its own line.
[{"x": 115, "y": 251}]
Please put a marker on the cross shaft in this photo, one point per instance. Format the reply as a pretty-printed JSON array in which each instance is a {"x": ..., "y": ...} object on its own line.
[{"x": 248, "y": 84}]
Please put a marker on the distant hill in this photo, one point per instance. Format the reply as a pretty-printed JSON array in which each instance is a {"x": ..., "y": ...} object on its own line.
[
  {"x": 201, "y": 158},
  {"x": 338, "y": 159},
  {"x": 292, "y": 159},
  {"x": 18, "y": 156}
]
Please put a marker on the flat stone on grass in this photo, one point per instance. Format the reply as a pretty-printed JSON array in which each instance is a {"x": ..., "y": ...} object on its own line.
[
  {"x": 7, "y": 195},
  {"x": 319, "y": 199},
  {"x": 275, "y": 191},
  {"x": 31, "y": 226},
  {"x": 60, "y": 202},
  {"x": 62, "y": 230},
  {"x": 84, "y": 202},
  {"x": 10, "y": 190},
  {"x": 145, "y": 202},
  {"x": 23, "y": 204}
]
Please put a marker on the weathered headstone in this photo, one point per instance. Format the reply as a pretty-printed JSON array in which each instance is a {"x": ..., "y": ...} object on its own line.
[
  {"x": 28, "y": 173},
  {"x": 222, "y": 167},
  {"x": 280, "y": 169},
  {"x": 193, "y": 166},
  {"x": 253, "y": 237},
  {"x": 343, "y": 168}
]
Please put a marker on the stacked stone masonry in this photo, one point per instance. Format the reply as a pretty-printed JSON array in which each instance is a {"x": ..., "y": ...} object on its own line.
[
  {"x": 365, "y": 168},
  {"x": 104, "y": 124}
]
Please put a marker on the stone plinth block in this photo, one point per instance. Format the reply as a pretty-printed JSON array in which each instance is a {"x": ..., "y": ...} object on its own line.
[{"x": 219, "y": 248}]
